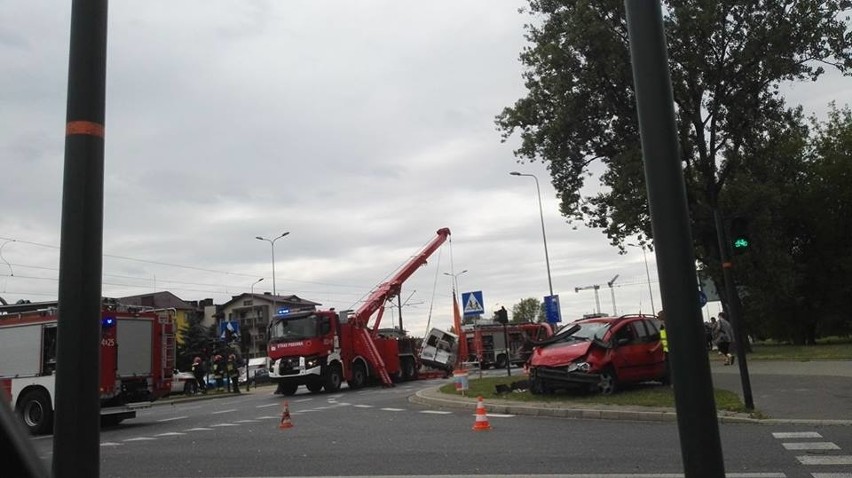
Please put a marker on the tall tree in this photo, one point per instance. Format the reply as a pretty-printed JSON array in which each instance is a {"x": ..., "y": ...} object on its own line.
[
  {"x": 198, "y": 341},
  {"x": 528, "y": 310},
  {"x": 727, "y": 60}
]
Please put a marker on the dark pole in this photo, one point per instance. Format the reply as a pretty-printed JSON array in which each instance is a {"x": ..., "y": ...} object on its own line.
[
  {"x": 701, "y": 448},
  {"x": 506, "y": 340},
  {"x": 76, "y": 439},
  {"x": 733, "y": 309}
]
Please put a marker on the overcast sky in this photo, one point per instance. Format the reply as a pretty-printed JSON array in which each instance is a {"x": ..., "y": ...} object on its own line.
[{"x": 361, "y": 127}]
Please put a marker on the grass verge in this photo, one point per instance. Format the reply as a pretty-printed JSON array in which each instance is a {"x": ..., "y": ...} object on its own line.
[{"x": 643, "y": 395}]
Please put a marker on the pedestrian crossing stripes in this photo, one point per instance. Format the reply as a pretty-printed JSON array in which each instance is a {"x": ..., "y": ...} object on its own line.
[{"x": 820, "y": 460}]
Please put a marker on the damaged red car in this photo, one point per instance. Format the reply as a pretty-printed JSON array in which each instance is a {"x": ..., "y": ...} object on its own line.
[{"x": 599, "y": 354}]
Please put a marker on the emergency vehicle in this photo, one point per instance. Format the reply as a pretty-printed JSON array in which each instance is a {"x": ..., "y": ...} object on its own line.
[{"x": 137, "y": 359}]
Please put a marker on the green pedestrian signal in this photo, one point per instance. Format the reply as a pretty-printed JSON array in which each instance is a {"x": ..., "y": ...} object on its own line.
[{"x": 739, "y": 235}]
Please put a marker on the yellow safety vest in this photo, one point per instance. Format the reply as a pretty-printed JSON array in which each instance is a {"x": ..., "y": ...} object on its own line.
[{"x": 664, "y": 339}]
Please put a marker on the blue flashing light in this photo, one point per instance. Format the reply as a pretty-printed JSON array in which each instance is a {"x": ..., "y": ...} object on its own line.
[
  {"x": 108, "y": 322},
  {"x": 283, "y": 311}
]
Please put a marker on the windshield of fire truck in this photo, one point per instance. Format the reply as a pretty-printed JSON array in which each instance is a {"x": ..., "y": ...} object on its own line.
[{"x": 296, "y": 328}]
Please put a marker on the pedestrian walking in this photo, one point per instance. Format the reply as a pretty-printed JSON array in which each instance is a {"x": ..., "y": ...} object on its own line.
[
  {"x": 199, "y": 371},
  {"x": 723, "y": 335}
]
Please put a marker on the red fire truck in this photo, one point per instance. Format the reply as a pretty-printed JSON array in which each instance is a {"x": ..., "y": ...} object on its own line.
[
  {"x": 321, "y": 349},
  {"x": 486, "y": 343},
  {"x": 136, "y": 361}
]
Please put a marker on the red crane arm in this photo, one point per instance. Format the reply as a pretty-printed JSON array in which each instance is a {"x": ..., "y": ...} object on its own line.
[{"x": 391, "y": 288}]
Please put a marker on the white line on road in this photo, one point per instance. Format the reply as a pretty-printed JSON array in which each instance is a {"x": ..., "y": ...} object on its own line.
[
  {"x": 200, "y": 429},
  {"x": 225, "y": 425},
  {"x": 267, "y": 417},
  {"x": 225, "y": 411},
  {"x": 169, "y": 434},
  {"x": 815, "y": 445},
  {"x": 140, "y": 439},
  {"x": 393, "y": 409},
  {"x": 171, "y": 419},
  {"x": 110, "y": 443},
  {"x": 303, "y": 400},
  {"x": 831, "y": 475},
  {"x": 825, "y": 460},
  {"x": 246, "y": 421},
  {"x": 267, "y": 405},
  {"x": 496, "y": 415},
  {"x": 435, "y": 412},
  {"x": 797, "y": 435},
  {"x": 363, "y": 406}
]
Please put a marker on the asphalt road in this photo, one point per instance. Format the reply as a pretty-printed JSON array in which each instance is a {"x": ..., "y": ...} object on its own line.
[{"x": 376, "y": 431}]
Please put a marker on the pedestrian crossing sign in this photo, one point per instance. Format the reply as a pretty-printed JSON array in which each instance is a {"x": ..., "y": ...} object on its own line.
[{"x": 472, "y": 303}]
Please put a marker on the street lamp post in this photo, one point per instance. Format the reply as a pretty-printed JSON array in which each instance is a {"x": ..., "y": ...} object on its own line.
[
  {"x": 543, "y": 235},
  {"x": 272, "y": 244},
  {"x": 648, "y": 275},
  {"x": 455, "y": 281},
  {"x": 254, "y": 309}
]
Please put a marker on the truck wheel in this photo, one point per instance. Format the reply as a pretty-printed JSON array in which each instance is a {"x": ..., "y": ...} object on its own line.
[
  {"x": 409, "y": 371},
  {"x": 110, "y": 420},
  {"x": 501, "y": 361},
  {"x": 314, "y": 387},
  {"x": 608, "y": 383},
  {"x": 359, "y": 376},
  {"x": 333, "y": 378},
  {"x": 287, "y": 388},
  {"x": 36, "y": 411}
]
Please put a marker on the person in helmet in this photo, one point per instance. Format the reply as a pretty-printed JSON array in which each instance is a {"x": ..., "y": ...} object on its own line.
[{"x": 199, "y": 370}]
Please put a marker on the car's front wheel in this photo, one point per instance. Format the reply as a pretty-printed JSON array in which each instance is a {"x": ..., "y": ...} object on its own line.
[{"x": 608, "y": 382}]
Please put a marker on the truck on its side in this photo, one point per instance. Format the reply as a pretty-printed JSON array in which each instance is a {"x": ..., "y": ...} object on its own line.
[
  {"x": 322, "y": 349},
  {"x": 137, "y": 359}
]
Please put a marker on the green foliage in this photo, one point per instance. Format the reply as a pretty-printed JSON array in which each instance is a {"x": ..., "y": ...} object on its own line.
[
  {"x": 743, "y": 151},
  {"x": 528, "y": 310},
  {"x": 196, "y": 340}
]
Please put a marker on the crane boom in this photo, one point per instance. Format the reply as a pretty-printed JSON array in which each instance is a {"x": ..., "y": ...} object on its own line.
[{"x": 392, "y": 287}]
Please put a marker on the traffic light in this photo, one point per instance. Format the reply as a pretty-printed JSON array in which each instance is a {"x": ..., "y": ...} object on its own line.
[{"x": 740, "y": 241}]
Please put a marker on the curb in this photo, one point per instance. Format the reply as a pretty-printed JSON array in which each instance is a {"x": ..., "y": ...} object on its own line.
[{"x": 432, "y": 397}]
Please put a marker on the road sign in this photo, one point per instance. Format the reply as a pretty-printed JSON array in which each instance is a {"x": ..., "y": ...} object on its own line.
[
  {"x": 472, "y": 303},
  {"x": 702, "y": 298},
  {"x": 552, "y": 311},
  {"x": 225, "y": 326}
]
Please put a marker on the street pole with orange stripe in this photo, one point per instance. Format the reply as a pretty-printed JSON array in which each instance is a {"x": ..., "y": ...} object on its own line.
[{"x": 76, "y": 439}]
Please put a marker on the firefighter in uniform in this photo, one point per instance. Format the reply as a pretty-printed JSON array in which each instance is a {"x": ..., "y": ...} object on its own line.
[
  {"x": 218, "y": 372},
  {"x": 233, "y": 373},
  {"x": 198, "y": 371}
]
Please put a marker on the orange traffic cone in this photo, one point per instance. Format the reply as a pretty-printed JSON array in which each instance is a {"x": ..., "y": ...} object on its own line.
[
  {"x": 285, "y": 418},
  {"x": 481, "y": 423}
]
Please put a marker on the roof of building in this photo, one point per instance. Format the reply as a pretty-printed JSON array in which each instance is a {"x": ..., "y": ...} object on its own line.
[
  {"x": 157, "y": 300},
  {"x": 283, "y": 299}
]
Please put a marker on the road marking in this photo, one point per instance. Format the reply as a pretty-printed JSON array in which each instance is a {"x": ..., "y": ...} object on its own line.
[
  {"x": 797, "y": 435},
  {"x": 169, "y": 434},
  {"x": 496, "y": 415},
  {"x": 200, "y": 429},
  {"x": 363, "y": 406},
  {"x": 246, "y": 421},
  {"x": 267, "y": 405},
  {"x": 825, "y": 460},
  {"x": 266, "y": 417},
  {"x": 171, "y": 419},
  {"x": 110, "y": 443},
  {"x": 303, "y": 400},
  {"x": 811, "y": 446},
  {"x": 831, "y": 475},
  {"x": 225, "y": 425},
  {"x": 393, "y": 409},
  {"x": 140, "y": 439},
  {"x": 435, "y": 412},
  {"x": 225, "y": 411}
]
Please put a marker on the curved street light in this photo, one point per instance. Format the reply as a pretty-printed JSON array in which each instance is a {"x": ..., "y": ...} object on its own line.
[{"x": 543, "y": 235}]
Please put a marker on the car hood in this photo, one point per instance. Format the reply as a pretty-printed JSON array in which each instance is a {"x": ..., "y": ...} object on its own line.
[{"x": 559, "y": 354}]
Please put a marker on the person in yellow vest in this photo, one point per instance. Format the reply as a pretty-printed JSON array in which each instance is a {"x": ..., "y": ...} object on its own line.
[{"x": 664, "y": 342}]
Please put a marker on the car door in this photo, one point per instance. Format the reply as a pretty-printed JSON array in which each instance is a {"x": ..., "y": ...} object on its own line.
[{"x": 629, "y": 355}]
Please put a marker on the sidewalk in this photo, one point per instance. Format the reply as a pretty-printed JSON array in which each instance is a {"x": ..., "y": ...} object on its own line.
[{"x": 814, "y": 393}]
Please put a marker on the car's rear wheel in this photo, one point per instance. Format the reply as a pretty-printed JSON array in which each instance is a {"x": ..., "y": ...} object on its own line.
[{"x": 608, "y": 382}]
